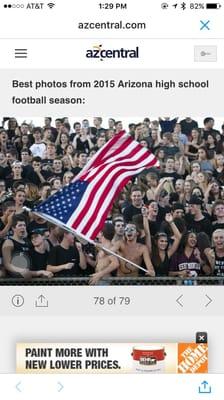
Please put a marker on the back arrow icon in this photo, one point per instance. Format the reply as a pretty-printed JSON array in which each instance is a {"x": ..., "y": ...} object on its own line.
[
  {"x": 210, "y": 300},
  {"x": 178, "y": 300},
  {"x": 18, "y": 387},
  {"x": 60, "y": 387}
]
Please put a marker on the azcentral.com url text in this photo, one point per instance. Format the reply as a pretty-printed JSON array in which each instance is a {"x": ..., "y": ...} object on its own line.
[{"x": 111, "y": 25}]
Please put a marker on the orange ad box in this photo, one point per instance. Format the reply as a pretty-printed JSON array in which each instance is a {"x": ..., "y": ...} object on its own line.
[{"x": 192, "y": 358}]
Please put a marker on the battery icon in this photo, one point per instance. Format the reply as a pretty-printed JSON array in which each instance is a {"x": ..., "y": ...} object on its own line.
[{"x": 213, "y": 6}]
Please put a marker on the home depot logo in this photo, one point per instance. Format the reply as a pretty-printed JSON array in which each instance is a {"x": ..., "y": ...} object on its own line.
[{"x": 101, "y": 54}]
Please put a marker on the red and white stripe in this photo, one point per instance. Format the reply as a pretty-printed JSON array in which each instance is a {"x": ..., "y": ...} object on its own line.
[{"x": 107, "y": 174}]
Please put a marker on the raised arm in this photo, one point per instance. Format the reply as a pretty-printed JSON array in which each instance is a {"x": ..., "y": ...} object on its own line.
[
  {"x": 148, "y": 262},
  {"x": 148, "y": 240},
  {"x": 82, "y": 257},
  {"x": 176, "y": 232}
]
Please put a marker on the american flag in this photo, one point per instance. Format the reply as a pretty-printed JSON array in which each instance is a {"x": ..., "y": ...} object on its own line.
[{"x": 84, "y": 204}]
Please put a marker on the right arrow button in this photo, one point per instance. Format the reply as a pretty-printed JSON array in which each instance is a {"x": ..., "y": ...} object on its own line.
[{"x": 208, "y": 300}]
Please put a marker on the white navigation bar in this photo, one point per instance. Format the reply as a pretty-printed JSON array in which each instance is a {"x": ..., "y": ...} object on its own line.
[
  {"x": 104, "y": 54},
  {"x": 99, "y": 387},
  {"x": 114, "y": 19}
]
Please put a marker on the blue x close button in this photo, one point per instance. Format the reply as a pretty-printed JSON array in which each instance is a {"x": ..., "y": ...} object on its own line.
[{"x": 205, "y": 25}]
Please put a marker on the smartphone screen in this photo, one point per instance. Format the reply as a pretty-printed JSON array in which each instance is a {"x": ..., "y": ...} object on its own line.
[{"x": 111, "y": 199}]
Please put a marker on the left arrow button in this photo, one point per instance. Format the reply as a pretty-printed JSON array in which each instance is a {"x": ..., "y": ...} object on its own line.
[{"x": 18, "y": 387}]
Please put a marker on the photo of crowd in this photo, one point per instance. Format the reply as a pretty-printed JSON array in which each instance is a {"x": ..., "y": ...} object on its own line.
[{"x": 169, "y": 221}]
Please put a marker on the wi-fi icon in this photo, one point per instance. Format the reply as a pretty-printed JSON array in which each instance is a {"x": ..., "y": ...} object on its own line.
[{"x": 51, "y": 5}]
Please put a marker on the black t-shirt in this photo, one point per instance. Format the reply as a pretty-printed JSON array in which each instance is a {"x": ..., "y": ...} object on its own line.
[
  {"x": 26, "y": 170},
  {"x": 58, "y": 174},
  {"x": 33, "y": 177},
  {"x": 31, "y": 203},
  {"x": 186, "y": 127},
  {"x": 5, "y": 172},
  {"x": 130, "y": 211},
  {"x": 39, "y": 261},
  {"x": 76, "y": 170},
  {"x": 82, "y": 145},
  {"x": 204, "y": 225},
  {"x": 47, "y": 161},
  {"x": 10, "y": 182},
  {"x": 212, "y": 132},
  {"x": 33, "y": 225},
  {"x": 217, "y": 225},
  {"x": 174, "y": 175},
  {"x": 58, "y": 256},
  {"x": 219, "y": 176},
  {"x": 154, "y": 226},
  {"x": 219, "y": 266}
]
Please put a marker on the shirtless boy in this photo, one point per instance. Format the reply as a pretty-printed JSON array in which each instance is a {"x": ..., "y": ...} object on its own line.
[
  {"x": 104, "y": 263},
  {"x": 133, "y": 251}
]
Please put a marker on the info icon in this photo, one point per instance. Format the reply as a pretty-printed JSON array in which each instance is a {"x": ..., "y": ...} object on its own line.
[{"x": 17, "y": 300}]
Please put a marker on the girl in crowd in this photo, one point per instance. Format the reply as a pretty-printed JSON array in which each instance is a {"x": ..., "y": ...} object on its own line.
[
  {"x": 5, "y": 145},
  {"x": 152, "y": 182},
  {"x": 211, "y": 146},
  {"x": 161, "y": 252},
  {"x": 203, "y": 180},
  {"x": 160, "y": 155},
  {"x": 181, "y": 165},
  {"x": 203, "y": 158},
  {"x": 188, "y": 186},
  {"x": 21, "y": 142},
  {"x": 197, "y": 191},
  {"x": 169, "y": 147},
  {"x": 213, "y": 192},
  {"x": 48, "y": 136},
  {"x": 69, "y": 150},
  {"x": 83, "y": 141},
  {"x": 67, "y": 163},
  {"x": 195, "y": 168},
  {"x": 12, "y": 125},
  {"x": 193, "y": 145},
  {"x": 56, "y": 184},
  {"x": 32, "y": 195},
  {"x": 67, "y": 178},
  {"x": 179, "y": 189},
  {"x": 62, "y": 142},
  {"x": 219, "y": 168},
  {"x": 187, "y": 261},
  {"x": 156, "y": 140},
  {"x": 177, "y": 142}
]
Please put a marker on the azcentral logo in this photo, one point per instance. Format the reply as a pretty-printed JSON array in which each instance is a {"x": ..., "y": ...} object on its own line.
[{"x": 101, "y": 54}]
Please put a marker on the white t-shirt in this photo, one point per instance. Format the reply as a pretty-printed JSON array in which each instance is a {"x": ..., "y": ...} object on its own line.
[{"x": 38, "y": 149}]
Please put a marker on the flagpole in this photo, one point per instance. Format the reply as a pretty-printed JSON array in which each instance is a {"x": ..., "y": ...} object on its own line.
[{"x": 56, "y": 222}]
